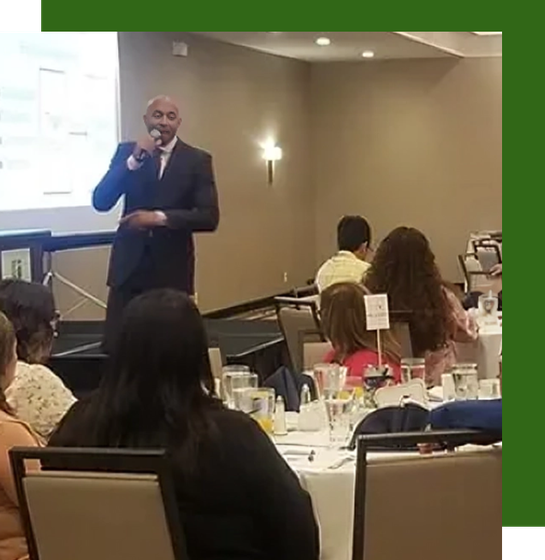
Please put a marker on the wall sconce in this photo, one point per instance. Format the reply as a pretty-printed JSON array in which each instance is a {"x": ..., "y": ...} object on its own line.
[{"x": 271, "y": 154}]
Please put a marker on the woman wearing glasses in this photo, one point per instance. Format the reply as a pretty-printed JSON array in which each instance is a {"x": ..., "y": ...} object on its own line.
[{"x": 36, "y": 395}]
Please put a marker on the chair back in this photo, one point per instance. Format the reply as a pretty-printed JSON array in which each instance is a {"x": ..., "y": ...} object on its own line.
[
  {"x": 296, "y": 316},
  {"x": 110, "y": 505},
  {"x": 476, "y": 279},
  {"x": 426, "y": 506},
  {"x": 400, "y": 328},
  {"x": 488, "y": 255},
  {"x": 402, "y": 333},
  {"x": 314, "y": 353}
]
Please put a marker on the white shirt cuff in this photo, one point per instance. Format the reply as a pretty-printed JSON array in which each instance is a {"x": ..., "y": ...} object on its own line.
[
  {"x": 132, "y": 164},
  {"x": 162, "y": 216}
]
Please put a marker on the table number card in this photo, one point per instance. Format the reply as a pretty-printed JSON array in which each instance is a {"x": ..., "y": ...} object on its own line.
[{"x": 378, "y": 314}]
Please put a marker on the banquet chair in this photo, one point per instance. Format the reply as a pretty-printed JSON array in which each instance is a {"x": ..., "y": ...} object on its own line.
[
  {"x": 295, "y": 316},
  {"x": 400, "y": 327},
  {"x": 314, "y": 353},
  {"x": 97, "y": 504},
  {"x": 444, "y": 505},
  {"x": 488, "y": 255},
  {"x": 476, "y": 279}
]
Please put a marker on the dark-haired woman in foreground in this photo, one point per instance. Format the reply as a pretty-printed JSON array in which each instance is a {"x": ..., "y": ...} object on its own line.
[
  {"x": 404, "y": 268},
  {"x": 237, "y": 497}
]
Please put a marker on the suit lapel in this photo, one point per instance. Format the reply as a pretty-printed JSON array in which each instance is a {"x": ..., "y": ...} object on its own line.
[
  {"x": 171, "y": 185},
  {"x": 175, "y": 160}
]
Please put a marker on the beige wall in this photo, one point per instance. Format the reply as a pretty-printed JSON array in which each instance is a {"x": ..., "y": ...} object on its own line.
[
  {"x": 409, "y": 143},
  {"x": 231, "y": 100},
  {"x": 402, "y": 142}
]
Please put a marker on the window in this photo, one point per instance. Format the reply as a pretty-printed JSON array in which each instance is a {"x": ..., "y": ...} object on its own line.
[{"x": 58, "y": 117}]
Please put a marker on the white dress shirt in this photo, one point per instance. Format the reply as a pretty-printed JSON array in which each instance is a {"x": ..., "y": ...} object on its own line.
[
  {"x": 166, "y": 152},
  {"x": 343, "y": 267}
]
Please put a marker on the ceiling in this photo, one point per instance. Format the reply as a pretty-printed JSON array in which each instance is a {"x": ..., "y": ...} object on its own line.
[{"x": 348, "y": 45}]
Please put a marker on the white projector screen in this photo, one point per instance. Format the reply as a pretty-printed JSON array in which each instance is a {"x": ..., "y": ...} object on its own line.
[{"x": 59, "y": 126}]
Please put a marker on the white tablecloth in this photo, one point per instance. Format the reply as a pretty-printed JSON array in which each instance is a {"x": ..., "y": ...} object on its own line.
[
  {"x": 331, "y": 486},
  {"x": 484, "y": 352},
  {"x": 332, "y": 495}
]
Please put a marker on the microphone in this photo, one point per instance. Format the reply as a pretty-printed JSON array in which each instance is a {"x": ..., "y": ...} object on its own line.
[
  {"x": 144, "y": 154},
  {"x": 156, "y": 135}
]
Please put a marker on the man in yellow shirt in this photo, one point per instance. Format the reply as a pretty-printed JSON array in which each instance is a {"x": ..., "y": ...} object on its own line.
[{"x": 349, "y": 264}]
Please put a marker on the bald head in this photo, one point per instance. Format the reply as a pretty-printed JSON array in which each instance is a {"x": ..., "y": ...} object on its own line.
[
  {"x": 160, "y": 99},
  {"x": 162, "y": 114}
]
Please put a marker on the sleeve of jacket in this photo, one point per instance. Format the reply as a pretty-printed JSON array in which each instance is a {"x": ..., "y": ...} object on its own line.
[
  {"x": 116, "y": 181},
  {"x": 205, "y": 214}
]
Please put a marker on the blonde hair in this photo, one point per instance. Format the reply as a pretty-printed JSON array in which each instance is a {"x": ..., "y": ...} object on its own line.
[
  {"x": 7, "y": 344},
  {"x": 344, "y": 321}
]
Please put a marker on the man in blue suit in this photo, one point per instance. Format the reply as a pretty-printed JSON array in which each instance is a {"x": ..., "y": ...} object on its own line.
[{"x": 169, "y": 193}]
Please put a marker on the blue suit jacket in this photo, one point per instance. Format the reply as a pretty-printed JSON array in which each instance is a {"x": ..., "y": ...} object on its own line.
[{"x": 186, "y": 194}]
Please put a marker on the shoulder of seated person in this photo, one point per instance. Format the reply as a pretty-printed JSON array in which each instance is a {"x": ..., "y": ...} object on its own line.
[
  {"x": 11, "y": 426},
  {"x": 233, "y": 418},
  {"x": 35, "y": 370}
]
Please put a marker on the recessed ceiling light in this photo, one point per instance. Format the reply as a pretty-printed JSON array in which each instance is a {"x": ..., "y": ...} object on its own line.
[
  {"x": 323, "y": 41},
  {"x": 368, "y": 54}
]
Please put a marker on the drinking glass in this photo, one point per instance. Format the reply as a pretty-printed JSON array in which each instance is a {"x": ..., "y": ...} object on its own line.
[
  {"x": 413, "y": 368},
  {"x": 335, "y": 381},
  {"x": 262, "y": 404},
  {"x": 338, "y": 414},
  {"x": 330, "y": 379},
  {"x": 236, "y": 379},
  {"x": 466, "y": 382},
  {"x": 489, "y": 389},
  {"x": 320, "y": 374}
]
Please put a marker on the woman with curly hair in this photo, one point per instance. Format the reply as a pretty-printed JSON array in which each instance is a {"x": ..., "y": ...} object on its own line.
[
  {"x": 405, "y": 268},
  {"x": 36, "y": 395},
  {"x": 13, "y": 433}
]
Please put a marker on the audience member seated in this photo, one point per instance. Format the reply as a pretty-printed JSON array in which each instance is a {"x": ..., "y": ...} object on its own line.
[
  {"x": 344, "y": 322},
  {"x": 237, "y": 497},
  {"x": 13, "y": 433},
  {"x": 349, "y": 264},
  {"x": 37, "y": 395},
  {"x": 404, "y": 268}
]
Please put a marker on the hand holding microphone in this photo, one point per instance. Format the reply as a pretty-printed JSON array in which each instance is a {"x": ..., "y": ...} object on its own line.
[{"x": 147, "y": 145}]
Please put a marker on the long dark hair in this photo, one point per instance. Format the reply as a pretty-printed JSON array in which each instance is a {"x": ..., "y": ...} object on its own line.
[
  {"x": 159, "y": 385},
  {"x": 7, "y": 342},
  {"x": 31, "y": 309},
  {"x": 404, "y": 267}
]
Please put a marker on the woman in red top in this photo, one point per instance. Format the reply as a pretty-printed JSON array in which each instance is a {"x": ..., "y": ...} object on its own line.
[{"x": 344, "y": 322}]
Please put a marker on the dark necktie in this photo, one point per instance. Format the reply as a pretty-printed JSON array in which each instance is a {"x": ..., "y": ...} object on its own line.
[{"x": 157, "y": 161}]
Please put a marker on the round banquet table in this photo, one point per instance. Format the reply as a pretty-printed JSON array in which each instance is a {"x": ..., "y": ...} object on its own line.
[{"x": 330, "y": 481}]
